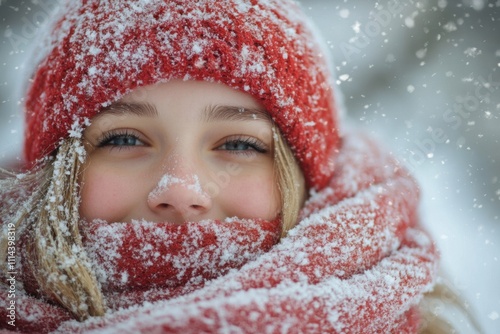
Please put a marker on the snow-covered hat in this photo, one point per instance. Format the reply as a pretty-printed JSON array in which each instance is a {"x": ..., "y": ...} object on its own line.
[{"x": 97, "y": 51}]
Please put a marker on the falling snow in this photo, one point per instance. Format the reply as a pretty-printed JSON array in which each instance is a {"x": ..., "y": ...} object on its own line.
[{"x": 460, "y": 187}]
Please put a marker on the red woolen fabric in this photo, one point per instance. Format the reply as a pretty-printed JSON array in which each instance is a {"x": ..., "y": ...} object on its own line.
[
  {"x": 357, "y": 262},
  {"x": 100, "y": 50}
]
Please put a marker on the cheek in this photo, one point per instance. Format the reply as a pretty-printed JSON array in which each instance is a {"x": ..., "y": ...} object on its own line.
[
  {"x": 105, "y": 195},
  {"x": 251, "y": 197}
]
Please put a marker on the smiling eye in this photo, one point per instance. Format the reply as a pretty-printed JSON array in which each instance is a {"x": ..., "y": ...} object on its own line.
[
  {"x": 243, "y": 145},
  {"x": 237, "y": 146},
  {"x": 120, "y": 140}
]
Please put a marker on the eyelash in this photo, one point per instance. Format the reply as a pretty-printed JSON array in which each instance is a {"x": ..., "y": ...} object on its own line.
[
  {"x": 253, "y": 143},
  {"x": 107, "y": 137}
]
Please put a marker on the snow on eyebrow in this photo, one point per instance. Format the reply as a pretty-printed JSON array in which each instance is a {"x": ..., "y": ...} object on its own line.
[
  {"x": 139, "y": 109},
  {"x": 229, "y": 113}
]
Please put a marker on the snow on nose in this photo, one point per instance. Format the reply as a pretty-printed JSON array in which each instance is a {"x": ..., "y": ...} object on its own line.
[{"x": 179, "y": 198}]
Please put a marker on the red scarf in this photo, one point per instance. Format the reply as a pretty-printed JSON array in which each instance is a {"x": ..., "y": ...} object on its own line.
[{"x": 357, "y": 262}]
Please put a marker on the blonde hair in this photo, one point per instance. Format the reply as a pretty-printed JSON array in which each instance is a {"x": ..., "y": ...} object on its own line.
[
  {"x": 440, "y": 307},
  {"x": 290, "y": 180},
  {"x": 55, "y": 252}
]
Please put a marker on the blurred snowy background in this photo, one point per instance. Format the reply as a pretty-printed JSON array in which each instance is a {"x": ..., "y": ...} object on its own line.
[{"x": 422, "y": 76}]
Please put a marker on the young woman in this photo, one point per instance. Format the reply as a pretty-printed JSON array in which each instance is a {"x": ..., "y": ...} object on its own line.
[{"x": 187, "y": 173}]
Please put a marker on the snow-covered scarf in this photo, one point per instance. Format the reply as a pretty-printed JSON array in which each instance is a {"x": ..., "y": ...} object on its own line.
[{"x": 357, "y": 262}]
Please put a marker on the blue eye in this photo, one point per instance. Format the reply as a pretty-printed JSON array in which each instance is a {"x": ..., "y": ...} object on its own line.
[
  {"x": 120, "y": 140},
  {"x": 243, "y": 145}
]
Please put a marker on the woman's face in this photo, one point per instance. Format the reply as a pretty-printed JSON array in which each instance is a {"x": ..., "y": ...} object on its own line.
[{"x": 177, "y": 152}]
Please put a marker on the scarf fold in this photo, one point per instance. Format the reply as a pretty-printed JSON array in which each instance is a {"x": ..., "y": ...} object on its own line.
[
  {"x": 357, "y": 262},
  {"x": 145, "y": 261}
]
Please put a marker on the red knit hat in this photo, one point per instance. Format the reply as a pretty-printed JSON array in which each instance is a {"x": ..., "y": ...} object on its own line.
[{"x": 100, "y": 50}]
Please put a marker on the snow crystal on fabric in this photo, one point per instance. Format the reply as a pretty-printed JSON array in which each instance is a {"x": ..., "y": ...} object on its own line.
[{"x": 128, "y": 256}]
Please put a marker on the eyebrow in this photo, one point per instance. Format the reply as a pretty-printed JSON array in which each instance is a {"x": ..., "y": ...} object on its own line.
[
  {"x": 138, "y": 109},
  {"x": 213, "y": 113}
]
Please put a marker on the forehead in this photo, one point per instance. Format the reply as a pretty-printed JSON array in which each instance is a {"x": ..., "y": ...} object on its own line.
[
  {"x": 206, "y": 100},
  {"x": 191, "y": 91}
]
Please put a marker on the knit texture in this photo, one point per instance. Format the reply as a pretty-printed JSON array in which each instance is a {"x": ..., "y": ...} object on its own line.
[
  {"x": 357, "y": 262},
  {"x": 100, "y": 50}
]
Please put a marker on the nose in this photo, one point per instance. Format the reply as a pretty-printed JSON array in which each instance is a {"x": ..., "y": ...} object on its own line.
[{"x": 179, "y": 198}]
